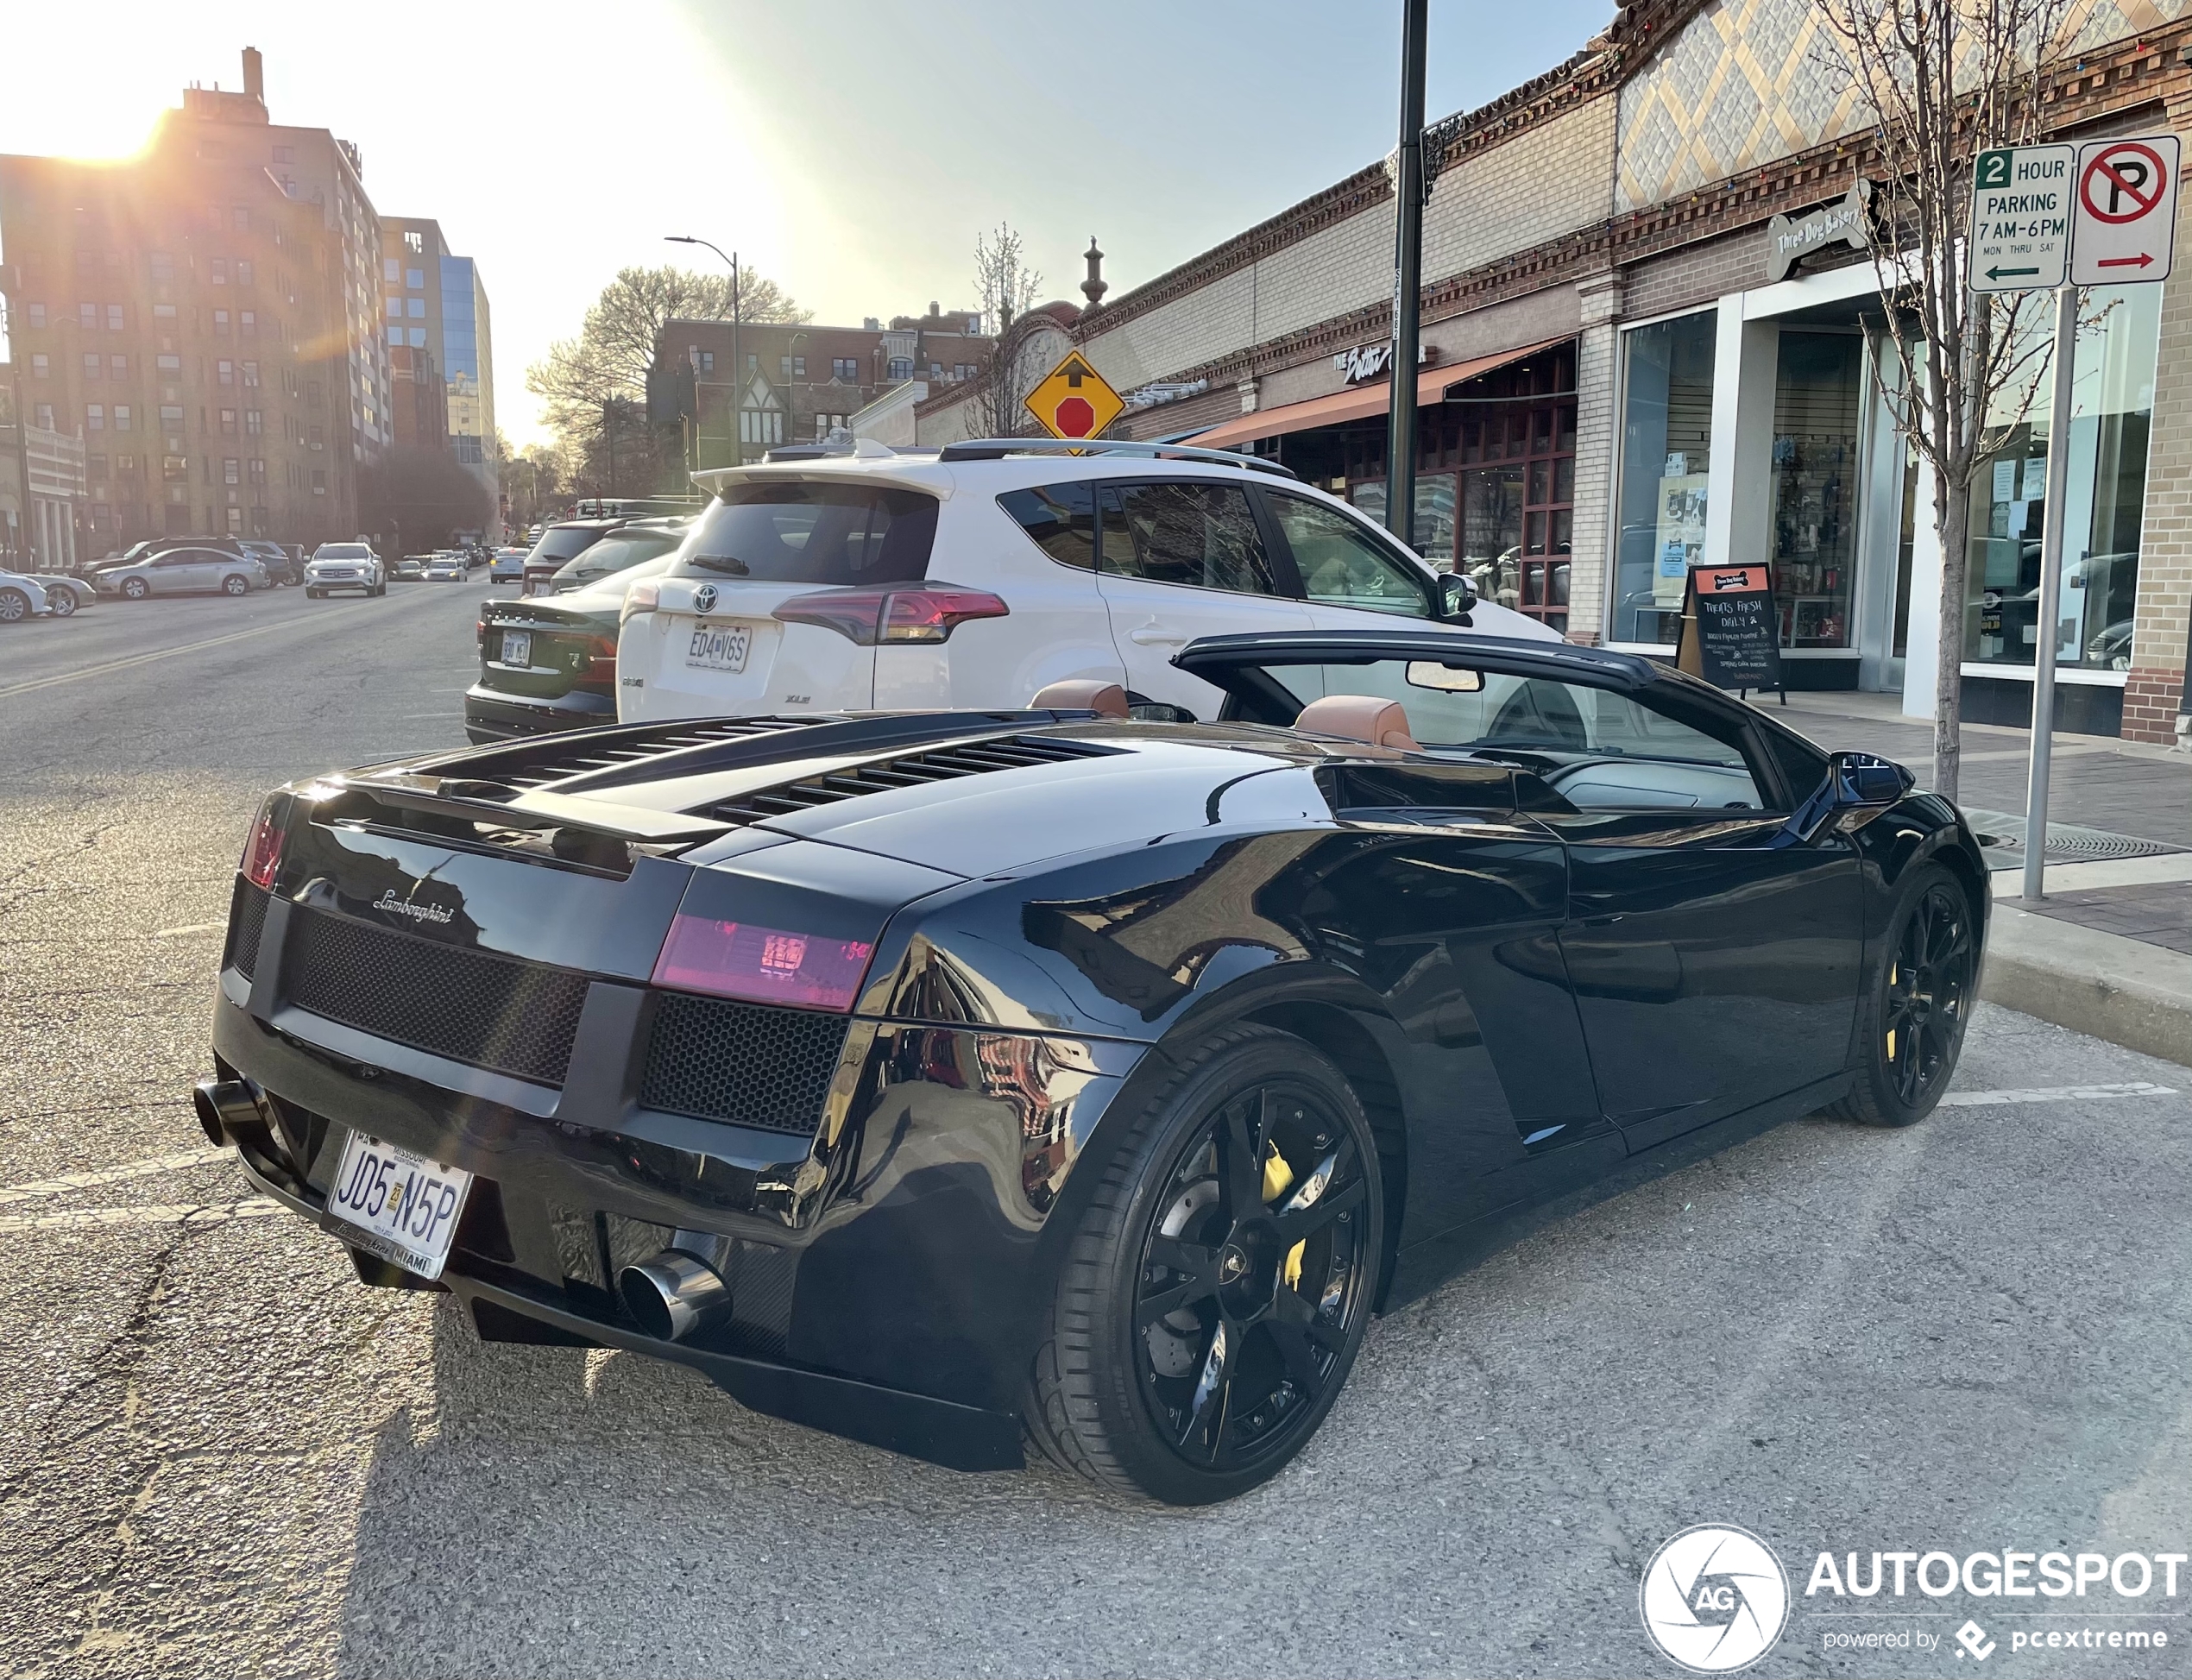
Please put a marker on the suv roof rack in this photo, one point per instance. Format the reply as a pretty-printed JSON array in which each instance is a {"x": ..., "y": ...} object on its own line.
[{"x": 996, "y": 449}]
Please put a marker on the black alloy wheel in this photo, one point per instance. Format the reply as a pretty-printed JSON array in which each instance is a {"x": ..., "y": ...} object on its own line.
[
  {"x": 1221, "y": 1281},
  {"x": 236, "y": 584},
  {"x": 61, "y": 603},
  {"x": 1916, "y": 1012},
  {"x": 136, "y": 588},
  {"x": 15, "y": 605}
]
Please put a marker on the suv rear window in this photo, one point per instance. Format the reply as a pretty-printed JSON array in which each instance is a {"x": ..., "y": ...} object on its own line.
[
  {"x": 813, "y": 533},
  {"x": 564, "y": 542}
]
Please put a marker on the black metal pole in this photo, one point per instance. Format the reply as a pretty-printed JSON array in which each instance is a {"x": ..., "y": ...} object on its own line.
[{"x": 1407, "y": 270}]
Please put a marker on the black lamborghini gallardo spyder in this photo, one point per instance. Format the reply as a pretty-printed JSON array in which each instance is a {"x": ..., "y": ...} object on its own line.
[{"x": 957, "y": 1079}]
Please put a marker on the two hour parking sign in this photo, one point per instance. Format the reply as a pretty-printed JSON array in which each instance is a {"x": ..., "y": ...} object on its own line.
[
  {"x": 2124, "y": 212},
  {"x": 2020, "y": 218}
]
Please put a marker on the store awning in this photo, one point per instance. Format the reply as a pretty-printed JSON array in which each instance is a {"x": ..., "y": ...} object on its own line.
[{"x": 1359, "y": 402}]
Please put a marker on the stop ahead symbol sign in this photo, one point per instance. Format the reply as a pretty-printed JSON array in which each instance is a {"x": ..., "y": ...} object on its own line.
[{"x": 2123, "y": 220}]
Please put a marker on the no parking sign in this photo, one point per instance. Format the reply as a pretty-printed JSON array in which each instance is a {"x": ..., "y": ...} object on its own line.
[{"x": 2123, "y": 215}]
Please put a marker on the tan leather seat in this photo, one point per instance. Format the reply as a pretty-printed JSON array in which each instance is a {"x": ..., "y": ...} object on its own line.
[
  {"x": 1357, "y": 717},
  {"x": 1081, "y": 694}
]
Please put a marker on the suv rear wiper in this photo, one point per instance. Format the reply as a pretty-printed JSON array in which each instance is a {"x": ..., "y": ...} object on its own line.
[{"x": 720, "y": 563}]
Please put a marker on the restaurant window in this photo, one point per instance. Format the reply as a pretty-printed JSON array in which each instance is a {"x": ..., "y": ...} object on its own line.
[
  {"x": 1665, "y": 451},
  {"x": 2112, "y": 403},
  {"x": 1819, "y": 379}
]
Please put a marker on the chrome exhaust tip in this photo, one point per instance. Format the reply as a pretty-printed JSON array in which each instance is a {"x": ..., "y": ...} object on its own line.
[
  {"x": 674, "y": 1295},
  {"x": 224, "y": 1105}
]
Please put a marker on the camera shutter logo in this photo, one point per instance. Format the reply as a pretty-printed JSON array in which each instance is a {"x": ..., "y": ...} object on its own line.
[
  {"x": 1714, "y": 1598},
  {"x": 704, "y": 599}
]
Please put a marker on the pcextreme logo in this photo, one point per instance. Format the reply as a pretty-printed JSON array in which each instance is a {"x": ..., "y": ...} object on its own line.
[{"x": 1714, "y": 1599}]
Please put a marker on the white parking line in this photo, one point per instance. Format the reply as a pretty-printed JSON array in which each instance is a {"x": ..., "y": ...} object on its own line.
[
  {"x": 42, "y": 1189},
  {"x": 2060, "y": 1094},
  {"x": 194, "y": 928},
  {"x": 101, "y": 1217}
]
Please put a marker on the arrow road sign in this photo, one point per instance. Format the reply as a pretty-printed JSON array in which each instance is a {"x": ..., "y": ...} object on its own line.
[
  {"x": 2124, "y": 215},
  {"x": 2021, "y": 218},
  {"x": 1074, "y": 400}
]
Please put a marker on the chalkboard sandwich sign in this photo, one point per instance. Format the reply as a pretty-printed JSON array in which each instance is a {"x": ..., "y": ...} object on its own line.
[{"x": 1729, "y": 632}]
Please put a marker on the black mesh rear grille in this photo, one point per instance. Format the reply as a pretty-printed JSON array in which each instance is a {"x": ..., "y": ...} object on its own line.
[
  {"x": 530, "y": 764},
  {"x": 744, "y": 1063},
  {"x": 247, "y": 918},
  {"x": 492, "y": 1012},
  {"x": 944, "y": 764}
]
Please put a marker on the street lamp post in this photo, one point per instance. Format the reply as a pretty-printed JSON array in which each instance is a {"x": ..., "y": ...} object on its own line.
[
  {"x": 1408, "y": 269},
  {"x": 737, "y": 367}
]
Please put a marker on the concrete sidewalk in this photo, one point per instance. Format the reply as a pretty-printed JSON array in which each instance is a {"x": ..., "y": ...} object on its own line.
[{"x": 2107, "y": 949}]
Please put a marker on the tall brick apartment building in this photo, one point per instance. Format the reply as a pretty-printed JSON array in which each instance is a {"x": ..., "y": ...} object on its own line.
[
  {"x": 204, "y": 317},
  {"x": 1621, "y": 382}
]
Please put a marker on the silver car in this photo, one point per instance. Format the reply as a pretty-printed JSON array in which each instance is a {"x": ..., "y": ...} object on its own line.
[
  {"x": 344, "y": 566},
  {"x": 179, "y": 571}
]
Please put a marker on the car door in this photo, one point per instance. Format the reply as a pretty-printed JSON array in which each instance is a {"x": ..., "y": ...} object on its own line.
[
  {"x": 1714, "y": 957},
  {"x": 179, "y": 571},
  {"x": 1345, "y": 572},
  {"x": 1178, "y": 559}
]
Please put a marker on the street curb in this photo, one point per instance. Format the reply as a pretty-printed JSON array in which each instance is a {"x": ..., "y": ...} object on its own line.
[{"x": 2108, "y": 987}]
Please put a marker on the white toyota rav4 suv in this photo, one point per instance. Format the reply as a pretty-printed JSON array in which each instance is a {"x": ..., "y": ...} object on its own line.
[{"x": 974, "y": 575}]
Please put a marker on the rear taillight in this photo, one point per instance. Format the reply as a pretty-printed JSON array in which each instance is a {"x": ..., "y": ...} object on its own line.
[
  {"x": 761, "y": 965},
  {"x": 263, "y": 852},
  {"x": 642, "y": 597},
  {"x": 928, "y": 612},
  {"x": 479, "y": 632},
  {"x": 597, "y": 663}
]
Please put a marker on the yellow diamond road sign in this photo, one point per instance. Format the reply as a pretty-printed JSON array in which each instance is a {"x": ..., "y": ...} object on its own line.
[{"x": 1073, "y": 401}]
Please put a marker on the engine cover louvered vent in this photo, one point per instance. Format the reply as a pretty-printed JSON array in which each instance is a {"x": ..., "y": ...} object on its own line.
[{"x": 913, "y": 770}]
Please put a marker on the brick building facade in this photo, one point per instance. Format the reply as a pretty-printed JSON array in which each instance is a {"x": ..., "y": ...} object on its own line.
[{"x": 1617, "y": 387}]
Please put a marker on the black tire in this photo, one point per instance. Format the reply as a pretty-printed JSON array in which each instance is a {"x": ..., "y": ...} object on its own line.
[
  {"x": 1912, "y": 1018},
  {"x": 310, "y": 593},
  {"x": 15, "y": 605},
  {"x": 61, "y": 603},
  {"x": 1182, "y": 1360},
  {"x": 236, "y": 584},
  {"x": 135, "y": 588}
]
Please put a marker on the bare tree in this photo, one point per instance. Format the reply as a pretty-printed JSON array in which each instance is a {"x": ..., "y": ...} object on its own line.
[
  {"x": 1944, "y": 80},
  {"x": 1008, "y": 289}
]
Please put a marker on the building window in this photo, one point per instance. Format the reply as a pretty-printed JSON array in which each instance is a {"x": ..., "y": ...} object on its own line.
[
  {"x": 258, "y": 469},
  {"x": 175, "y": 467},
  {"x": 94, "y": 417},
  {"x": 845, "y": 369},
  {"x": 285, "y": 155},
  {"x": 783, "y": 370},
  {"x": 220, "y": 323},
  {"x": 391, "y": 270},
  {"x": 170, "y": 422},
  {"x": 416, "y": 337},
  {"x": 162, "y": 264},
  {"x": 117, "y": 367},
  {"x": 311, "y": 393},
  {"x": 251, "y": 374},
  {"x": 1665, "y": 456},
  {"x": 319, "y": 481},
  {"x": 247, "y": 323},
  {"x": 228, "y": 423},
  {"x": 316, "y": 438},
  {"x": 415, "y": 279},
  {"x": 254, "y": 423},
  {"x": 122, "y": 420},
  {"x": 414, "y": 241},
  {"x": 171, "y": 367},
  {"x": 93, "y": 365},
  {"x": 87, "y": 317},
  {"x": 225, "y": 372},
  {"x": 216, "y": 270},
  {"x": 37, "y": 317},
  {"x": 2112, "y": 406},
  {"x": 395, "y": 335},
  {"x": 707, "y": 362},
  {"x": 760, "y": 426},
  {"x": 415, "y": 308},
  {"x": 901, "y": 366},
  {"x": 114, "y": 319},
  {"x": 41, "y": 414},
  {"x": 241, "y": 218},
  {"x": 1817, "y": 399},
  {"x": 231, "y": 471},
  {"x": 962, "y": 370},
  {"x": 40, "y": 367}
]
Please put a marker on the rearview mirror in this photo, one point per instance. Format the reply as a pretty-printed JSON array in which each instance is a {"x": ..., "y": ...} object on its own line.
[{"x": 1457, "y": 596}]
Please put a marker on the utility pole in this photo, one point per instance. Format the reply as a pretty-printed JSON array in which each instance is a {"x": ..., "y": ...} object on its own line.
[
  {"x": 2051, "y": 605},
  {"x": 1408, "y": 276}
]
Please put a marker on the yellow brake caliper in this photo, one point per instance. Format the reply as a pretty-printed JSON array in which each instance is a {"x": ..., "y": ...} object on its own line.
[
  {"x": 1893, "y": 969},
  {"x": 1278, "y": 1178}
]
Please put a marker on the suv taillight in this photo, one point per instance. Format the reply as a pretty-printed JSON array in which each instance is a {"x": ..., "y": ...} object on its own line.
[
  {"x": 263, "y": 852},
  {"x": 642, "y": 597},
  {"x": 924, "y": 613},
  {"x": 761, "y": 965}
]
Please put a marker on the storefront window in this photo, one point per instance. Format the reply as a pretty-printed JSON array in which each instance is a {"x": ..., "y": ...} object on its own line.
[
  {"x": 2112, "y": 404},
  {"x": 1666, "y": 444},
  {"x": 1818, "y": 384}
]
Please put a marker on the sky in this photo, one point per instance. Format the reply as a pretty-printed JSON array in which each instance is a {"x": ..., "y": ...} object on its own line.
[{"x": 850, "y": 150}]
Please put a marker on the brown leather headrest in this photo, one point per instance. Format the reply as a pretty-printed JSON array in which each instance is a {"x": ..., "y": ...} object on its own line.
[
  {"x": 1081, "y": 694},
  {"x": 1357, "y": 717}
]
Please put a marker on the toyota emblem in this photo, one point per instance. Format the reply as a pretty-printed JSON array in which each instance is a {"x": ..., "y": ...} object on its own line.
[{"x": 704, "y": 598}]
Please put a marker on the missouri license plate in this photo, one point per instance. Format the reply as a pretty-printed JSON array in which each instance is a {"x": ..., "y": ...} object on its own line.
[
  {"x": 719, "y": 647},
  {"x": 397, "y": 1205},
  {"x": 517, "y": 647}
]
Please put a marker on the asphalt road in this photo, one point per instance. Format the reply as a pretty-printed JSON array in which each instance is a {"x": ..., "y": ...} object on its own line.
[{"x": 220, "y": 1456}]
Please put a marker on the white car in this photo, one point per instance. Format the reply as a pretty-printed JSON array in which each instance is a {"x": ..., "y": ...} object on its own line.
[
  {"x": 23, "y": 595},
  {"x": 974, "y": 576},
  {"x": 344, "y": 566},
  {"x": 448, "y": 569}
]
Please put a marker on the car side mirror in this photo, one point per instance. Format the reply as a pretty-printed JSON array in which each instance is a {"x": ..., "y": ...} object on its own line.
[
  {"x": 1457, "y": 597},
  {"x": 1857, "y": 787}
]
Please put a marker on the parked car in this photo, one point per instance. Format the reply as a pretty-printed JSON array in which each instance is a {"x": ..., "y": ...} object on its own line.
[
  {"x": 344, "y": 566},
  {"x": 975, "y": 576},
  {"x": 626, "y": 546},
  {"x": 274, "y": 558},
  {"x": 412, "y": 569},
  {"x": 550, "y": 663},
  {"x": 447, "y": 569},
  {"x": 950, "y": 1078},
  {"x": 183, "y": 570},
  {"x": 140, "y": 551},
  {"x": 509, "y": 566},
  {"x": 34, "y": 595},
  {"x": 559, "y": 543}
]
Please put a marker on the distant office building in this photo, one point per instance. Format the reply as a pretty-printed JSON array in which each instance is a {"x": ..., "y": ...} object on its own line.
[
  {"x": 433, "y": 302},
  {"x": 199, "y": 322}
]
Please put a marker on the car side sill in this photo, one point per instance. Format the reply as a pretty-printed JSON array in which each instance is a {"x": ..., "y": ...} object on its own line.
[{"x": 1421, "y": 1266}]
